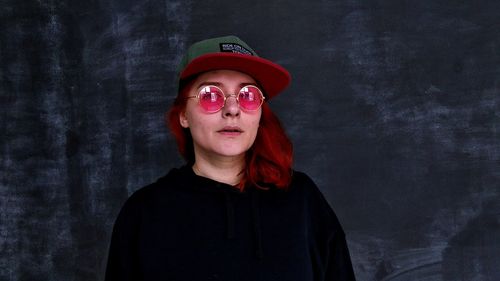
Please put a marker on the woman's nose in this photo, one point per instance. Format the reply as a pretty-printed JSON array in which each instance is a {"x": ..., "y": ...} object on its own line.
[{"x": 231, "y": 108}]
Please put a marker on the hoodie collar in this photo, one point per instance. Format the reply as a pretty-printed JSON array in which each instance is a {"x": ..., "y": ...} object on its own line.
[{"x": 190, "y": 180}]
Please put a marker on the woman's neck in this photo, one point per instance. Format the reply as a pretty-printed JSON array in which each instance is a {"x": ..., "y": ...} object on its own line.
[{"x": 225, "y": 170}]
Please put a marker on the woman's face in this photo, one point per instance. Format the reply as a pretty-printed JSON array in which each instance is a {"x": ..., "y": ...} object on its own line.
[{"x": 229, "y": 132}]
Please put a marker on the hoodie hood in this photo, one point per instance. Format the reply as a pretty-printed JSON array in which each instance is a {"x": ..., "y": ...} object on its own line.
[{"x": 189, "y": 180}]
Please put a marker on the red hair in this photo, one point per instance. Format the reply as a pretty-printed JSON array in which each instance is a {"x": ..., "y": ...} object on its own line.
[{"x": 268, "y": 161}]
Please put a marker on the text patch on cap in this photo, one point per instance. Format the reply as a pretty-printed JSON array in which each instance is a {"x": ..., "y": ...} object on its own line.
[{"x": 234, "y": 48}]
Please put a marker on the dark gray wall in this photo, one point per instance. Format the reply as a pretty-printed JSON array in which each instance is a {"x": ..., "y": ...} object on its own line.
[{"x": 394, "y": 111}]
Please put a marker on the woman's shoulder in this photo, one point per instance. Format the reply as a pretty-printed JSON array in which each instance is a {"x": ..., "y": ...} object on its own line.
[
  {"x": 314, "y": 198},
  {"x": 304, "y": 184},
  {"x": 165, "y": 184},
  {"x": 299, "y": 177}
]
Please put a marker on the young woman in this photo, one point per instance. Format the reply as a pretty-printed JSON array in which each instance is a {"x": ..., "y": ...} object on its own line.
[{"x": 236, "y": 210}]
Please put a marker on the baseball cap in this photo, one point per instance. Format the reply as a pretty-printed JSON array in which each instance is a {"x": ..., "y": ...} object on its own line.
[{"x": 230, "y": 52}]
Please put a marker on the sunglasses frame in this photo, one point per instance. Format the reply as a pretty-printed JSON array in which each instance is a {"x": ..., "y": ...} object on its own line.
[{"x": 236, "y": 96}]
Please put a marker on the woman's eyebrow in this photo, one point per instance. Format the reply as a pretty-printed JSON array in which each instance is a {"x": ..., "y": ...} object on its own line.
[
  {"x": 218, "y": 84},
  {"x": 208, "y": 83},
  {"x": 247, "y": 84}
]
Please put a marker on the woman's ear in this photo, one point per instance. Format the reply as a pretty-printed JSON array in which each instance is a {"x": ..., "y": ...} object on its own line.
[{"x": 183, "y": 120}]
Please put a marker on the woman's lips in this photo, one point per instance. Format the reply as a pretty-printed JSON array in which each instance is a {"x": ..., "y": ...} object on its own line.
[{"x": 230, "y": 131}]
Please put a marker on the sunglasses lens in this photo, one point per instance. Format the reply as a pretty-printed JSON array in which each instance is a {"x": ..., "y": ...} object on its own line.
[
  {"x": 211, "y": 99},
  {"x": 250, "y": 98}
]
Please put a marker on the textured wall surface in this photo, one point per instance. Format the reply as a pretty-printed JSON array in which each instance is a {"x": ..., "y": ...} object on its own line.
[{"x": 394, "y": 111}]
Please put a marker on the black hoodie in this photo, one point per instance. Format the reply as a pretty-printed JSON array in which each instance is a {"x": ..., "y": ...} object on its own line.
[{"x": 188, "y": 228}]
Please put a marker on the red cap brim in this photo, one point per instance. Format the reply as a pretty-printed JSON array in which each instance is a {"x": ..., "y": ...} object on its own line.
[{"x": 272, "y": 77}]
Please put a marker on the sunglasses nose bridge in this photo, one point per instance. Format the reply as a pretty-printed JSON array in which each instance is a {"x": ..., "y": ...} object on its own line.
[
  {"x": 232, "y": 95},
  {"x": 229, "y": 102}
]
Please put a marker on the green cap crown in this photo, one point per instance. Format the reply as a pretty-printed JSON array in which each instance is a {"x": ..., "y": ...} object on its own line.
[{"x": 223, "y": 44}]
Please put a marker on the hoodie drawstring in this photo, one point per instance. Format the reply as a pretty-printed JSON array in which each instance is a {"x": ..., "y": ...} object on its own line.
[
  {"x": 255, "y": 220},
  {"x": 256, "y": 224},
  {"x": 229, "y": 216}
]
